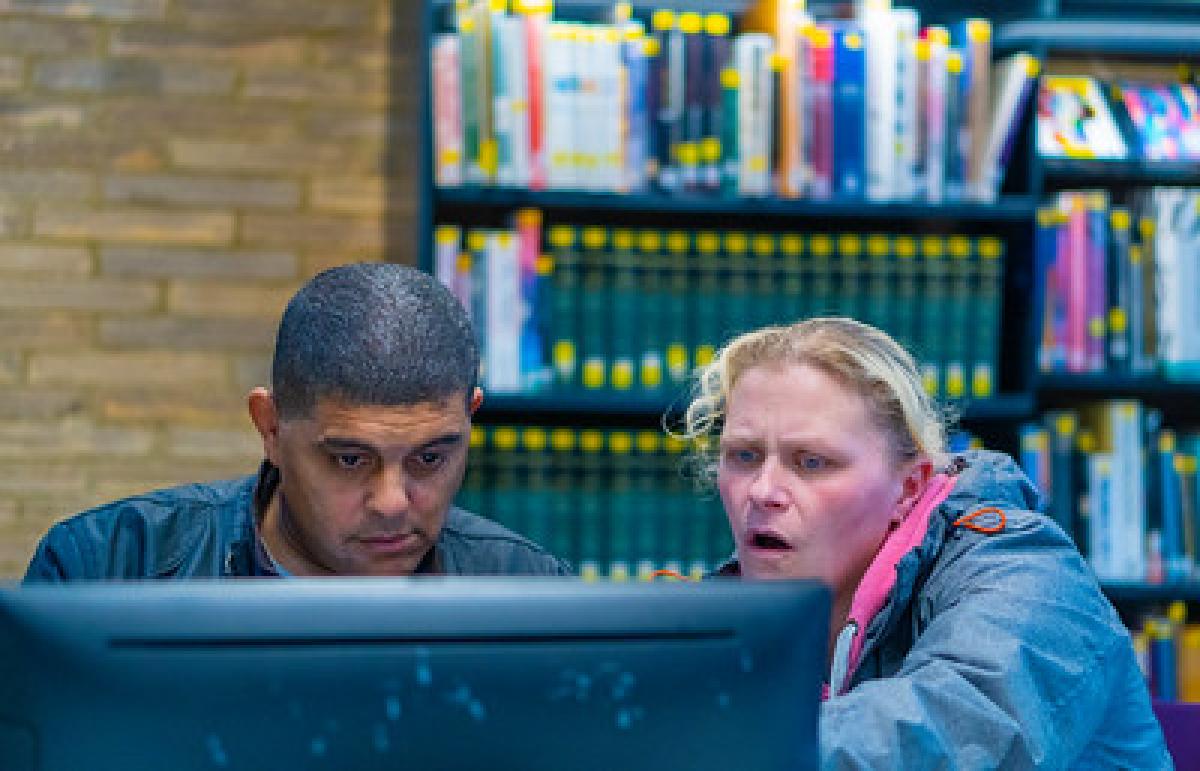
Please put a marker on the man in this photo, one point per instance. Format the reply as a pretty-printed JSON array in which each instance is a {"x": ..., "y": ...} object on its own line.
[{"x": 365, "y": 431}]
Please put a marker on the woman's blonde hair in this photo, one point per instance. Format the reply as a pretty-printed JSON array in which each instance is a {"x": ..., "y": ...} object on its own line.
[{"x": 857, "y": 355}]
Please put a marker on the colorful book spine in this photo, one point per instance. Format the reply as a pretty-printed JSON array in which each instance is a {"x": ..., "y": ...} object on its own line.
[
  {"x": 1016, "y": 76},
  {"x": 821, "y": 112},
  {"x": 907, "y": 26},
  {"x": 849, "y": 72}
]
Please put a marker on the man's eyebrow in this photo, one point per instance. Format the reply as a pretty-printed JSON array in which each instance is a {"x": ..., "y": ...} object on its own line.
[
  {"x": 337, "y": 443},
  {"x": 455, "y": 437}
]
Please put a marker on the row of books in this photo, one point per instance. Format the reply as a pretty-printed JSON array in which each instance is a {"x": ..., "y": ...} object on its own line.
[
  {"x": 1116, "y": 286},
  {"x": 1168, "y": 651},
  {"x": 637, "y": 310},
  {"x": 873, "y": 106},
  {"x": 1084, "y": 117},
  {"x": 1123, "y": 485},
  {"x": 618, "y": 504}
]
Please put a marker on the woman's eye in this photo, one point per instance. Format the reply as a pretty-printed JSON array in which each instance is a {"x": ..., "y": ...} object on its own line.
[
  {"x": 812, "y": 462},
  {"x": 430, "y": 458},
  {"x": 741, "y": 457}
]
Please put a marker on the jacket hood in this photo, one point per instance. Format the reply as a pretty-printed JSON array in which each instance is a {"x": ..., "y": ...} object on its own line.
[{"x": 992, "y": 479}]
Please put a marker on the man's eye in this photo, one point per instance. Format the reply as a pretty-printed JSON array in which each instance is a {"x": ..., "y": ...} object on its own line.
[
  {"x": 349, "y": 461},
  {"x": 430, "y": 458}
]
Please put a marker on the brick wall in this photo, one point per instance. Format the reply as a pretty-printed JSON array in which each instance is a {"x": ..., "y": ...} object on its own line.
[{"x": 170, "y": 171}]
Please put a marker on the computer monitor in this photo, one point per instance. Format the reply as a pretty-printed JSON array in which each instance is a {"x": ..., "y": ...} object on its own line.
[{"x": 430, "y": 674}]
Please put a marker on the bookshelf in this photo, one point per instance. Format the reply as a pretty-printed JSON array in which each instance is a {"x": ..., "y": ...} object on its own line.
[{"x": 1106, "y": 30}]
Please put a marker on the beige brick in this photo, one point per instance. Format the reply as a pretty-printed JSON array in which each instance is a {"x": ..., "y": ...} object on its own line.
[
  {"x": 190, "y": 190},
  {"x": 40, "y": 117},
  {"x": 14, "y": 219},
  {"x": 52, "y": 507},
  {"x": 331, "y": 124},
  {"x": 61, "y": 184},
  {"x": 286, "y": 156},
  {"x": 8, "y": 511},
  {"x": 116, "y": 10},
  {"x": 84, "y": 295},
  {"x": 179, "y": 405},
  {"x": 198, "y": 227},
  {"x": 318, "y": 85},
  {"x": 282, "y": 15},
  {"x": 220, "y": 299},
  {"x": 369, "y": 54},
  {"x": 33, "y": 259},
  {"x": 162, "y": 118},
  {"x": 134, "y": 76},
  {"x": 30, "y": 36},
  {"x": 116, "y": 479},
  {"x": 54, "y": 329},
  {"x": 12, "y": 365},
  {"x": 84, "y": 147},
  {"x": 313, "y": 231},
  {"x": 252, "y": 371},
  {"x": 129, "y": 368},
  {"x": 21, "y": 478},
  {"x": 41, "y": 404},
  {"x": 358, "y": 195},
  {"x": 12, "y": 73},
  {"x": 231, "y": 44},
  {"x": 165, "y": 262},
  {"x": 213, "y": 443},
  {"x": 70, "y": 437},
  {"x": 187, "y": 334}
]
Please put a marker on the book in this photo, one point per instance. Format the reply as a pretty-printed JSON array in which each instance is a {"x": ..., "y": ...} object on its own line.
[
  {"x": 1015, "y": 78},
  {"x": 1074, "y": 120}
]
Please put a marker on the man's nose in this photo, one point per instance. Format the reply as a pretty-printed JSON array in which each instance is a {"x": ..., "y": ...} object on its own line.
[{"x": 389, "y": 494}]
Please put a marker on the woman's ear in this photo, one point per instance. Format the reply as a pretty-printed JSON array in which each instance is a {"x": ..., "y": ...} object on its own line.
[{"x": 913, "y": 485}]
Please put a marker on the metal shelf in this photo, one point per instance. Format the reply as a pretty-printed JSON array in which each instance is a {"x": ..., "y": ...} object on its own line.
[
  {"x": 1140, "y": 591},
  {"x": 1114, "y": 384},
  {"x": 1009, "y": 208},
  {"x": 1157, "y": 38},
  {"x": 638, "y": 403},
  {"x": 1061, "y": 171}
]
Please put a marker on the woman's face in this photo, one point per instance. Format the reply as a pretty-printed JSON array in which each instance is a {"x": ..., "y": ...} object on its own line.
[{"x": 808, "y": 482}]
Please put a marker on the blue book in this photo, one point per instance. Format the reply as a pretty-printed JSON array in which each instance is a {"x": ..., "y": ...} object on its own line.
[
  {"x": 849, "y": 110},
  {"x": 1176, "y": 564}
]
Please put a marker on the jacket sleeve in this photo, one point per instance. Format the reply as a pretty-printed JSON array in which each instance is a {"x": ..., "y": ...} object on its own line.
[
  {"x": 58, "y": 557},
  {"x": 1015, "y": 657}
]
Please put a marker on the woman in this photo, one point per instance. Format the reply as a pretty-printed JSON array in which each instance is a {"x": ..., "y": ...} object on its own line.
[{"x": 967, "y": 631}]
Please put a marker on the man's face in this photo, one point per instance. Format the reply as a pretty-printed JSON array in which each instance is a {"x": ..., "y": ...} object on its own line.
[
  {"x": 367, "y": 488},
  {"x": 806, "y": 477}
]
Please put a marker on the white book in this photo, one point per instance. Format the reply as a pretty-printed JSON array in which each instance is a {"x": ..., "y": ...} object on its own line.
[
  {"x": 447, "y": 111},
  {"x": 610, "y": 108},
  {"x": 752, "y": 54},
  {"x": 1129, "y": 508},
  {"x": 505, "y": 313},
  {"x": 935, "y": 119},
  {"x": 1014, "y": 81},
  {"x": 502, "y": 101},
  {"x": 879, "y": 28},
  {"x": 447, "y": 244},
  {"x": 907, "y": 27},
  {"x": 516, "y": 74},
  {"x": 561, "y": 87},
  {"x": 1100, "y": 507}
]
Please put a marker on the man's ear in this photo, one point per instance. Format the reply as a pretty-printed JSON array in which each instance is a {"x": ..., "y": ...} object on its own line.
[
  {"x": 266, "y": 419},
  {"x": 476, "y": 399}
]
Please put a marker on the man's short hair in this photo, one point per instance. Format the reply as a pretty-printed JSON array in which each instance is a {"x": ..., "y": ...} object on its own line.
[{"x": 376, "y": 334}]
